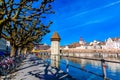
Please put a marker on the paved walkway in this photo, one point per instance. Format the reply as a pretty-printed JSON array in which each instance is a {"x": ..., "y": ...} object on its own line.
[{"x": 36, "y": 69}]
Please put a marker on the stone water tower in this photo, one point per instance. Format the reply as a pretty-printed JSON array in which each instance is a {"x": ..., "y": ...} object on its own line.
[{"x": 55, "y": 49}]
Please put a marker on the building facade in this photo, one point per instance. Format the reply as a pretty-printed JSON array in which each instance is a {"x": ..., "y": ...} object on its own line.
[
  {"x": 113, "y": 43},
  {"x": 110, "y": 43},
  {"x": 3, "y": 45},
  {"x": 41, "y": 47}
]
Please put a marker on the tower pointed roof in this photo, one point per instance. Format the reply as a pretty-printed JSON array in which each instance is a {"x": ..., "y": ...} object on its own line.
[{"x": 55, "y": 37}]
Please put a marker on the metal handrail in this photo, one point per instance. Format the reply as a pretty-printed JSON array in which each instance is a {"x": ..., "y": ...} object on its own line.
[
  {"x": 80, "y": 68},
  {"x": 102, "y": 64}
]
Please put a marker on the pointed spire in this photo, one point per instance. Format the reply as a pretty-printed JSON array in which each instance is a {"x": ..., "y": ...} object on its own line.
[
  {"x": 55, "y": 37},
  {"x": 81, "y": 39}
]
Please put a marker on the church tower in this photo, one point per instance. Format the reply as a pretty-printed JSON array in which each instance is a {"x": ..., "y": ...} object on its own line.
[{"x": 81, "y": 41}]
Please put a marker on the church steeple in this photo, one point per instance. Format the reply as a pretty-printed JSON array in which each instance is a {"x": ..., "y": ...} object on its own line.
[{"x": 81, "y": 39}]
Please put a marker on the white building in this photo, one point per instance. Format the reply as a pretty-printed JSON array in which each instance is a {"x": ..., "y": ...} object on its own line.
[
  {"x": 66, "y": 47},
  {"x": 103, "y": 45},
  {"x": 95, "y": 45},
  {"x": 113, "y": 43},
  {"x": 90, "y": 47},
  {"x": 81, "y": 42},
  {"x": 110, "y": 43},
  {"x": 82, "y": 47}
]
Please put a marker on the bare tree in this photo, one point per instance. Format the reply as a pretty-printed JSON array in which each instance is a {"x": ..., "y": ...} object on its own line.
[
  {"x": 20, "y": 22},
  {"x": 22, "y": 10}
]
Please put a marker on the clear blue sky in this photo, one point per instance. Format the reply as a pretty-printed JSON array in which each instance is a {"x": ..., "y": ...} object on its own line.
[{"x": 90, "y": 19}]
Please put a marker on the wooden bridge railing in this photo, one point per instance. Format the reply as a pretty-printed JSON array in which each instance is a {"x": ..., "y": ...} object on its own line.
[{"x": 72, "y": 50}]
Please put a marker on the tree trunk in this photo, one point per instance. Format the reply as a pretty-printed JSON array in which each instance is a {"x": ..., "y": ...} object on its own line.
[
  {"x": 19, "y": 51},
  {"x": 13, "y": 50},
  {"x": 16, "y": 51},
  {"x": 24, "y": 51},
  {"x": 0, "y": 31},
  {"x": 2, "y": 21}
]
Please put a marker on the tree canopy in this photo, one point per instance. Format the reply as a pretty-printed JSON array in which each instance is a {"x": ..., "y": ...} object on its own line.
[{"x": 21, "y": 21}]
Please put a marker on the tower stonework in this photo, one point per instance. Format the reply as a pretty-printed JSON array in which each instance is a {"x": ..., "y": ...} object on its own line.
[{"x": 55, "y": 49}]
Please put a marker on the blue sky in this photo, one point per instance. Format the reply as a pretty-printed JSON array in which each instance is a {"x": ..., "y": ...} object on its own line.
[{"x": 89, "y": 19}]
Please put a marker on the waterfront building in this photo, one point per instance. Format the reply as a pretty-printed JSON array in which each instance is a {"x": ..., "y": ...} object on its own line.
[
  {"x": 2, "y": 44},
  {"x": 66, "y": 47},
  {"x": 113, "y": 43},
  {"x": 82, "y": 47},
  {"x": 90, "y": 47},
  {"x": 74, "y": 45},
  {"x": 4, "y": 47},
  {"x": 110, "y": 43},
  {"x": 95, "y": 44},
  {"x": 41, "y": 47},
  {"x": 82, "y": 44},
  {"x": 102, "y": 44}
]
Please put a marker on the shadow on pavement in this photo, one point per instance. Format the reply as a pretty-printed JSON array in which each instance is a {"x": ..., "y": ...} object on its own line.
[{"x": 48, "y": 74}]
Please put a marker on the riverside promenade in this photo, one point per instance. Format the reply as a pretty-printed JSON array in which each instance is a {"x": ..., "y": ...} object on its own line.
[{"x": 34, "y": 68}]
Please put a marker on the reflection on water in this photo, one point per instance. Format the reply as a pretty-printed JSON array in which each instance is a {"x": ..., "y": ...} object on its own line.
[{"x": 113, "y": 69}]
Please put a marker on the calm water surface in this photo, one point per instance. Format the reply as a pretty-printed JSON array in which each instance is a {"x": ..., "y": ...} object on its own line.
[{"x": 113, "y": 69}]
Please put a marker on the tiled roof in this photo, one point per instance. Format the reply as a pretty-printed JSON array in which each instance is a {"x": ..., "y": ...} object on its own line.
[
  {"x": 115, "y": 39},
  {"x": 55, "y": 37},
  {"x": 102, "y": 43}
]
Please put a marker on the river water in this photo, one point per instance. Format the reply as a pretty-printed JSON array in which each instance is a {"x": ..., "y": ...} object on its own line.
[{"x": 112, "y": 69}]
